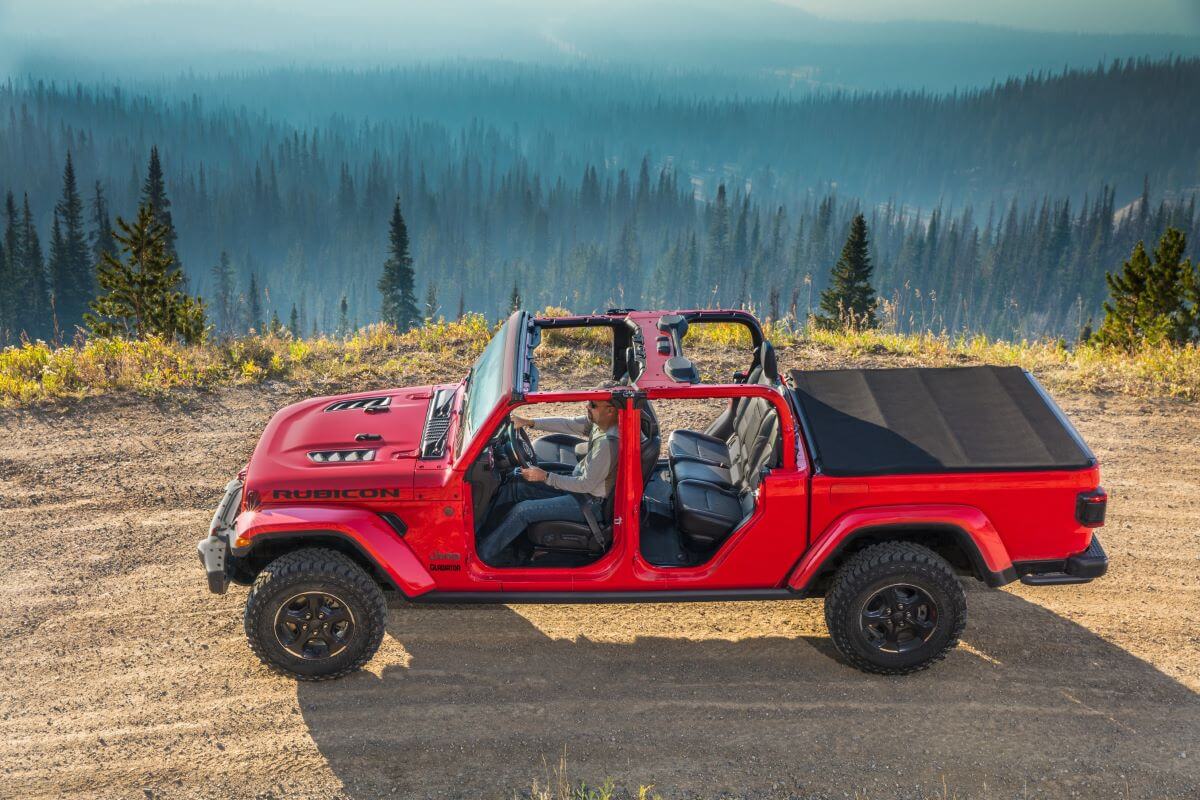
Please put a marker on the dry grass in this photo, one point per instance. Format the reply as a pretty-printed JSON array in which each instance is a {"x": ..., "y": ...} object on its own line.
[
  {"x": 35, "y": 373},
  {"x": 1152, "y": 371},
  {"x": 559, "y": 786}
]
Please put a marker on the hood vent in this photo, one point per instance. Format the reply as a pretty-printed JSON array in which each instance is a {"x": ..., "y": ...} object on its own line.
[
  {"x": 341, "y": 456},
  {"x": 368, "y": 404},
  {"x": 437, "y": 424}
]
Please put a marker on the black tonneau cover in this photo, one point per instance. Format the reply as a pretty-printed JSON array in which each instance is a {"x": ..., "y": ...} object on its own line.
[{"x": 953, "y": 419}]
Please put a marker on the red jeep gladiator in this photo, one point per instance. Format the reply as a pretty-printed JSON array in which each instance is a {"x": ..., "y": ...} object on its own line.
[{"x": 877, "y": 489}]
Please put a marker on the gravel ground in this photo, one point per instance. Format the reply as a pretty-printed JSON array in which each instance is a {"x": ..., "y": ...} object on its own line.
[{"x": 124, "y": 677}]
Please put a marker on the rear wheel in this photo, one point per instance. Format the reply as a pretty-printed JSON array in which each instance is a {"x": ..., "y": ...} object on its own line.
[
  {"x": 895, "y": 608},
  {"x": 314, "y": 614}
]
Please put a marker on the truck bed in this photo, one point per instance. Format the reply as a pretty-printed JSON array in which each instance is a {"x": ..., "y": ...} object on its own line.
[{"x": 860, "y": 422}]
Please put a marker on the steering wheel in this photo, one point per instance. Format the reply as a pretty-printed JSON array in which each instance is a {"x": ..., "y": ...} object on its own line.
[{"x": 519, "y": 446}]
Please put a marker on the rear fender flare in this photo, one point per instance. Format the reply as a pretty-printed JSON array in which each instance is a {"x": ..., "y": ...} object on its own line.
[
  {"x": 366, "y": 531},
  {"x": 971, "y": 528}
]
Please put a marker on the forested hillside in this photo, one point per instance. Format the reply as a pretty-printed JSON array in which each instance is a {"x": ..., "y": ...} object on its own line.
[{"x": 997, "y": 210}]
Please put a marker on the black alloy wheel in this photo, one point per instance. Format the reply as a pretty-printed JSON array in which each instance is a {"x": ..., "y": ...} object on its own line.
[
  {"x": 899, "y": 618},
  {"x": 314, "y": 614},
  {"x": 314, "y": 625},
  {"x": 894, "y": 608}
]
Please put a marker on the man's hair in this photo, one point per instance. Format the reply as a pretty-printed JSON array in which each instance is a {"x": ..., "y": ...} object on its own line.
[{"x": 606, "y": 386}]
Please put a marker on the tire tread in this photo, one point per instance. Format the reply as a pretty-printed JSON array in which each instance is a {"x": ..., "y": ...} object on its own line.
[
  {"x": 305, "y": 564},
  {"x": 863, "y": 567}
]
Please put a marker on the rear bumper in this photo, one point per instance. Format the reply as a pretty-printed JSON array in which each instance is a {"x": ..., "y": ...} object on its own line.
[{"x": 1079, "y": 568}]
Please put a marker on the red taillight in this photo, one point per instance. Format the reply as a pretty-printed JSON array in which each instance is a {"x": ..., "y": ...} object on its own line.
[
  {"x": 1090, "y": 507},
  {"x": 251, "y": 500}
]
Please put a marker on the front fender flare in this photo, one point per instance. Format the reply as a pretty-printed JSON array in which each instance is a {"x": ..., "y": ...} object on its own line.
[
  {"x": 973, "y": 530},
  {"x": 365, "y": 530}
]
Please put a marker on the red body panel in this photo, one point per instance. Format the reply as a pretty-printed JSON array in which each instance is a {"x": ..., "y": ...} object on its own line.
[
  {"x": 375, "y": 538},
  {"x": 800, "y": 519},
  {"x": 1033, "y": 512}
]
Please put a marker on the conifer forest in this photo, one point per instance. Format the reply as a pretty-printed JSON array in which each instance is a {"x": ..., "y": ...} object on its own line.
[{"x": 995, "y": 210}]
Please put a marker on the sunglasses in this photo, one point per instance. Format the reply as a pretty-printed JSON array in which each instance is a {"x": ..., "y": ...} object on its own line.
[{"x": 592, "y": 404}]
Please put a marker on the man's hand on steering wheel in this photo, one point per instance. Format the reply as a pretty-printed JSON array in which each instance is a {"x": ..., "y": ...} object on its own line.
[
  {"x": 520, "y": 423},
  {"x": 533, "y": 474}
]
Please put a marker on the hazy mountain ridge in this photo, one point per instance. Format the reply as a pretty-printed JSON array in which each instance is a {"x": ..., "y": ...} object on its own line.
[{"x": 757, "y": 40}]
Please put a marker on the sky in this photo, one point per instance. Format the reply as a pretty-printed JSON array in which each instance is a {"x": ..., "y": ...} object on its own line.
[
  {"x": 44, "y": 17},
  {"x": 109, "y": 37},
  {"x": 1084, "y": 16}
]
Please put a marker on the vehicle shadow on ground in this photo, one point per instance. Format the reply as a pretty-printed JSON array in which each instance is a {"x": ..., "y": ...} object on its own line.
[{"x": 473, "y": 701}]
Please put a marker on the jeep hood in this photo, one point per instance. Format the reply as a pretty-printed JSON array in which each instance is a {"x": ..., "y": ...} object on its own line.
[{"x": 389, "y": 423}]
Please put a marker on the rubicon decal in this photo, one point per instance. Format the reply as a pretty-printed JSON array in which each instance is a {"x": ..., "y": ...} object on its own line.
[{"x": 334, "y": 494}]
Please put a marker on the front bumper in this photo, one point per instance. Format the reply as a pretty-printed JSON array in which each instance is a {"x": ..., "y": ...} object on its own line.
[
  {"x": 1079, "y": 568},
  {"x": 214, "y": 550},
  {"x": 214, "y": 555}
]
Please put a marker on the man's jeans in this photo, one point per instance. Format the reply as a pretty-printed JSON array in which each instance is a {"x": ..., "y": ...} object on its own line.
[{"x": 535, "y": 502}]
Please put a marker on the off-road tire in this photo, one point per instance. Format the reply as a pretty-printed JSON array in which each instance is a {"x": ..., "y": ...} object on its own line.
[
  {"x": 315, "y": 570},
  {"x": 872, "y": 570}
]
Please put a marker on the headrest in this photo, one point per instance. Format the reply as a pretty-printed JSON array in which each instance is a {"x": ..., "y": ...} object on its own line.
[
  {"x": 766, "y": 360},
  {"x": 633, "y": 367},
  {"x": 649, "y": 421}
]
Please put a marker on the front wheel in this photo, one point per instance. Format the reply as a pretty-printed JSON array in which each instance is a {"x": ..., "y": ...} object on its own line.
[
  {"x": 314, "y": 614},
  {"x": 895, "y": 608}
]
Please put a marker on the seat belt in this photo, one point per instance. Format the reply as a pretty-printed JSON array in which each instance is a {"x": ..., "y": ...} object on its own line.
[{"x": 587, "y": 505}]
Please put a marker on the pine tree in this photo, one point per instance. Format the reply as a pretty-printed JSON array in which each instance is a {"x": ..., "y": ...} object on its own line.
[
  {"x": 72, "y": 270},
  {"x": 102, "y": 233},
  {"x": 627, "y": 266},
  {"x": 1190, "y": 317},
  {"x": 343, "y": 326},
  {"x": 6, "y": 299},
  {"x": 254, "y": 306},
  {"x": 514, "y": 299},
  {"x": 1148, "y": 300},
  {"x": 431, "y": 301},
  {"x": 223, "y": 294},
  {"x": 154, "y": 193},
  {"x": 462, "y": 303},
  {"x": 399, "y": 307},
  {"x": 294, "y": 322},
  {"x": 716, "y": 259},
  {"x": 276, "y": 327},
  {"x": 850, "y": 299},
  {"x": 34, "y": 313},
  {"x": 11, "y": 262},
  {"x": 143, "y": 293}
]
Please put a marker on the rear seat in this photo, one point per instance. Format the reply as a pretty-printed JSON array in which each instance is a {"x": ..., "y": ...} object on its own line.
[
  {"x": 712, "y": 498},
  {"x": 697, "y": 446}
]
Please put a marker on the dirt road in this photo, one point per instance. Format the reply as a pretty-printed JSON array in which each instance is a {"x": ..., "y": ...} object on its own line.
[{"x": 124, "y": 677}]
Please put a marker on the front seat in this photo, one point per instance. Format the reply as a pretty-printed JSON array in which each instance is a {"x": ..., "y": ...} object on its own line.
[
  {"x": 578, "y": 537},
  {"x": 554, "y": 451}
]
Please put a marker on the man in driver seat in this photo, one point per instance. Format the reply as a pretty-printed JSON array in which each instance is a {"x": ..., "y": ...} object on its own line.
[{"x": 542, "y": 495}]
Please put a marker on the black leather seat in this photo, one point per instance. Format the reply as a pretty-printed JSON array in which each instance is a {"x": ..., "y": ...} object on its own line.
[
  {"x": 715, "y": 474},
  {"x": 577, "y": 537},
  {"x": 559, "y": 450},
  {"x": 712, "y": 499},
  {"x": 696, "y": 446},
  {"x": 574, "y": 537},
  {"x": 707, "y": 514}
]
